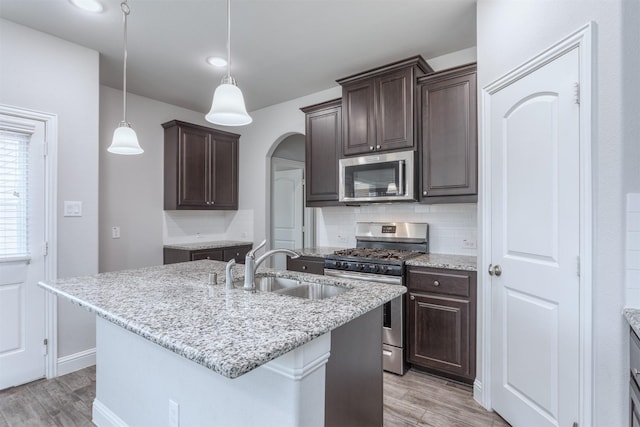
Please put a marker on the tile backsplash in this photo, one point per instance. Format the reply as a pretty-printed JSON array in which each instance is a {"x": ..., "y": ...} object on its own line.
[
  {"x": 452, "y": 227},
  {"x": 632, "y": 262}
]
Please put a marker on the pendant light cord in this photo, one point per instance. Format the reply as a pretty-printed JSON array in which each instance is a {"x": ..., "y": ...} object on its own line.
[
  {"x": 125, "y": 13},
  {"x": 229, "y": 39}
]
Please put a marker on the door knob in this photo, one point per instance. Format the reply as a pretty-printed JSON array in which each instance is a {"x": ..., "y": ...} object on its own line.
[
  {"x": 412, "y": 298},
  {"x": 495, "y": 270}
]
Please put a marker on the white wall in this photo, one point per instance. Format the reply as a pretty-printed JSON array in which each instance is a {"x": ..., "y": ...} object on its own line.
[
  {"x": 509, "y": 33},
  {"x": 632, "y": 279},
  {"x": 45, "y": 73}
]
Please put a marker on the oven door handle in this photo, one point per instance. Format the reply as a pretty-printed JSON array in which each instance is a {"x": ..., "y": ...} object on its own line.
[{"x": 378, "y": 278}]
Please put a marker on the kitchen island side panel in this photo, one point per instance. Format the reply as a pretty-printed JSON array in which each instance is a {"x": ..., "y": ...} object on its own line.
[{"x": 138, "y": 382}]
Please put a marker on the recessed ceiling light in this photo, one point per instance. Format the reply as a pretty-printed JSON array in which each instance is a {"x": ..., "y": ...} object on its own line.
[
  {"x": 216, "y": 61},
  {"x": 89, "y": 5}
]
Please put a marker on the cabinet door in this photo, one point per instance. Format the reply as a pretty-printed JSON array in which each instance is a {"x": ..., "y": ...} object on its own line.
[
  {"x": 323, "y": 146},
  {"x": 394, "y": 103},
  {"x": 224, "y": 175},
  {"x": 193, "y": 167},
  {"x": 449, "y": 136},
  {"x": 358, "y": 109},
  {"x": 439, "y": 334}
]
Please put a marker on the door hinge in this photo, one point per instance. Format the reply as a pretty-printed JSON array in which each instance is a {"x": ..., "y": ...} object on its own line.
[
  {"x": 46, "y": 248},
  {"x": 578, "y": 265},
  {"x": 45, "y": 149},
  {"x": 575, "y": 424},
  {"x": 576, "y": 93},
  {"x": 45, "y": 343}
]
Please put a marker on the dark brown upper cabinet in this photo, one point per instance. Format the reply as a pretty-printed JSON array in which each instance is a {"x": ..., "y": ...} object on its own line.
[
  {"x": 200, "y": 167},
  {"x": 323, "y": 128},
  {"x": 449, "y": 136},
  {"x": 378, "y": 107}
]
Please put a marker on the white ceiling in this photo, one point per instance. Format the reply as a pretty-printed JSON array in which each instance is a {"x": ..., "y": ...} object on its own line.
[{"x": 281, "y": 49}]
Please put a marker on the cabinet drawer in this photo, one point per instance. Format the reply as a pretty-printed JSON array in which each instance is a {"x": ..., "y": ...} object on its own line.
[
  {"x": 305, "y": 264},
  {"x": 447, "y": 282},
  {"x": 238, "y": 253},
  {"x": 215, "y": 255}
]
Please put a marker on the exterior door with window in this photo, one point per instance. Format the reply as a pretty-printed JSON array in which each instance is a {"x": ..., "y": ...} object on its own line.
[{"x": 22, "y": 250}]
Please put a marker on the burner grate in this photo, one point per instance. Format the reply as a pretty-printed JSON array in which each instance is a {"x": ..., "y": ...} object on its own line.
[{"x": 378, "y": 253}]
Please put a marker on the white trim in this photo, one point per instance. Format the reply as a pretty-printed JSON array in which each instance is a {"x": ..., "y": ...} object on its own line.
[
  {"x": 104, "y": 417},
  {"x": 582, "y": 39},
  {"x": 300, "y": 372},
  {"x": 75, "y": 362},
  {"x": 51, "y": 184}
]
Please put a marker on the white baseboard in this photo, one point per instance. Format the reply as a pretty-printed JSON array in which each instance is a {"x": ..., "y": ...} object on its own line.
[
  {"x": 75, "y": 362},
  {"x": 103, "y": 417}
]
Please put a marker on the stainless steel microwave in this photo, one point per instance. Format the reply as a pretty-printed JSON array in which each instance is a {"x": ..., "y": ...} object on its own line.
[{"x": 383, "y": 177}]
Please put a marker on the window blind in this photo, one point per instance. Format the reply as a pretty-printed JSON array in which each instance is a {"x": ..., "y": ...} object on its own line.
[{"x": 14, "y": 199}]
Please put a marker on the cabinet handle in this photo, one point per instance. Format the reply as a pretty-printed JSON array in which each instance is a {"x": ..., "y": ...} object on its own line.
[
  {"x": 412, "y": 298},
  {"x": 371, "y": 148},
  {"x": 238, "y": 254},
  {"x": 424, "y": 193},
  {"x": 377, "y": 147},
  {"x": 209, "y": 258},
  {"x": 436, "y": 283},
  {"x": 304, "y": 267}
]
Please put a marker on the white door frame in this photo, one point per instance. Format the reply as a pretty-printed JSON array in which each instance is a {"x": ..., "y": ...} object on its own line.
[
  {"x": 582, "y": 39},
  {"x": 50, "y": 122}
]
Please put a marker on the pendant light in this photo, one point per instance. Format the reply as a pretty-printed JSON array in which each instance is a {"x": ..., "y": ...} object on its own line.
[
  {"x": 125, "y": 140},
  {"x": 227, "y": 108}
]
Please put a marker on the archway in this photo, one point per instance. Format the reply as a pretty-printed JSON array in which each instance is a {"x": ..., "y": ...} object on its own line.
[{"x": 290, "y": 224}]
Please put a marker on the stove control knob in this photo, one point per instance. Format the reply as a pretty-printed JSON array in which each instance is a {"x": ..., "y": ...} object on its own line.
[
  {"x": 360, "y": 267},
  {"x": 337, "y": 264},
  {"x": 384, "y": 269},
  {"x": 376, "y": 268}
]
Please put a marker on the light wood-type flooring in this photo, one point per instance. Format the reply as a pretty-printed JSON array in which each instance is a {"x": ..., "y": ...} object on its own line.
[{"x": 415, "y": 399}]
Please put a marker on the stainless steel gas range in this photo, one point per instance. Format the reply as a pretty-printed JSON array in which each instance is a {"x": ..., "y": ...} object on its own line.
[{"x": 380, "y": 253}]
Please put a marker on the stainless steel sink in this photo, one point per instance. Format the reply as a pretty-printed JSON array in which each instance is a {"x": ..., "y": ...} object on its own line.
[
  {"x": 271, "y": 283},
  {"x": 295, "y": 288},
  {"x": 313, "y": 291}
]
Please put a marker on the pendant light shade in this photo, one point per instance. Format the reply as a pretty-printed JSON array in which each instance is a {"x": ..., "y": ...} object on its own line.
[
  {"x": 227, "y": 108},
  {"x": 125, "y": 140}
]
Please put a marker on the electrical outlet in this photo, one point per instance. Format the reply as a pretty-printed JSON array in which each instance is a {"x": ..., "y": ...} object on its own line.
[
  {"x": 115, "y": 232},
  {"x": 174, "y": 414},
  {"x": 468, "y": 244}
]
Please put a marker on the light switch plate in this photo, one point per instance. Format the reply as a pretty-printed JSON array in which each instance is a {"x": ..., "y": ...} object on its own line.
[{"x": 72, "y": 208}]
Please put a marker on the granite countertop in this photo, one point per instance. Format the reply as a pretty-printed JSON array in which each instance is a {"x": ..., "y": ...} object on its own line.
[
  {"x": 633, "y": 317},
  {"x": 228, "y": 331},
  {"x": 194, "y": 246},
  {"x": 451, "y": 262},
  {"x": 317, "y": 251}
]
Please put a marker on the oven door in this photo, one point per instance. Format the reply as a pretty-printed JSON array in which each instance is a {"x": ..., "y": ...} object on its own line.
[{"x": 377, "y": 178}]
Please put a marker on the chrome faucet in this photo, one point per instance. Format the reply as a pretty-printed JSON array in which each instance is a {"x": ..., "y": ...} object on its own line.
[
  {"x": 228, "y": 278},
  {"x": 251, "y": 264}
]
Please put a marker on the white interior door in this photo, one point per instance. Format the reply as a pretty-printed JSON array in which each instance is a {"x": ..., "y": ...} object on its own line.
[
  {"x": 22, "y": 251},
  {"x": 288, "y": 208},
  {"x": 535, "y": 242}
]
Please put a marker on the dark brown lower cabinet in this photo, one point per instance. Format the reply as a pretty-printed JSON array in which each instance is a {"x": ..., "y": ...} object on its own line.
[
  {"x": 172, "y": 255},
  {"x": 306, "y": 264},
  {"x": 441, "y": 322}
]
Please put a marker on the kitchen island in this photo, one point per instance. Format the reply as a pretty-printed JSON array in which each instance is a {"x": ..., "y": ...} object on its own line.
[{"x": 173, "y": 350}]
